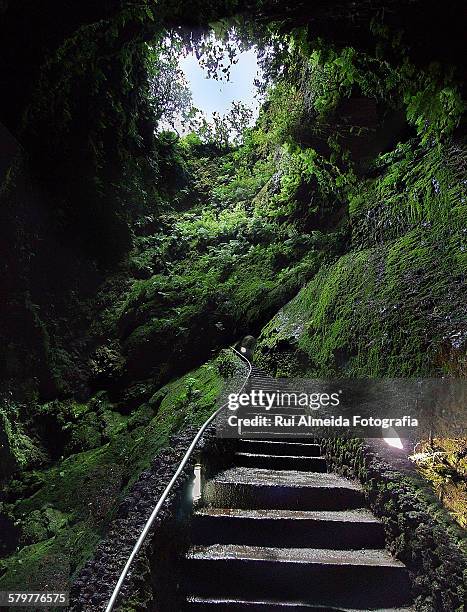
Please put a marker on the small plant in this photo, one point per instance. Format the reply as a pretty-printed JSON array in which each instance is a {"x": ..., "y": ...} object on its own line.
[{"x": 107, "y": 363}]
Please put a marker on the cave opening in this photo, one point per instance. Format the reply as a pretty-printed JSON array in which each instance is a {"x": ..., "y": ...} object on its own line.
[{"x": 175, "y": 176}]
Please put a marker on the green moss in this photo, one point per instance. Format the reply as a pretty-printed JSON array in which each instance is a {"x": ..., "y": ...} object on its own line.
[
  {"x": 417, "y": 186},
  {"x": 75, "y": 500},
  {"x": 442, "y": 462},
  {"x": 112, "y": 423},
  {"x": 85, "y": 435},
  {"x": 67, "y": 427},
  {"x": 18, "y": 449},
  {"x": 42, "y": 524},
  {"x": 49, "y": 563},
  {"x": 229, "y": 263},
  {"x": 378, "y": 312}
]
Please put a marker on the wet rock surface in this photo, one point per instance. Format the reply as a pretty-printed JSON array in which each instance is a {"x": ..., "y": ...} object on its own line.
[
  {"x": 279, "y": 539},
  {"x": 285, "y": 477},
  {"x": 418, "y": 530},
  {"x": 359, "y": 515},
  {"x": 266, "y": 605},
  {"x": 295, "y": 555}
]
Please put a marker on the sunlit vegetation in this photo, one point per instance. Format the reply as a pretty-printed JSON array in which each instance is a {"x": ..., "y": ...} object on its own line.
[{"x": 443, "y": 462}]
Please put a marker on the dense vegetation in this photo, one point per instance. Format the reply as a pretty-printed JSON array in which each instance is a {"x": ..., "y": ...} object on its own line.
[{"x": 335, "y": 231}]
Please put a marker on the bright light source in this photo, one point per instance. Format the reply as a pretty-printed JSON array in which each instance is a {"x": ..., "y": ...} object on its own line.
[
  {"x": 391, "y": 438},
  {"x": 243, "y": 349},
  {"x": 197, "y": 483}
]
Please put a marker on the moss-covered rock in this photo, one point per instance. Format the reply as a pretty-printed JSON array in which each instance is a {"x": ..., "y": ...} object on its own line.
[
  {"x": 19, "y": 449},
  {"x": 67, "y": 508},
  {"x": 223, "y": 266},
  {"x": 40, "y": 525},
  {"x": 419, "y": 531},
  {"x": 395, "y": 308}
]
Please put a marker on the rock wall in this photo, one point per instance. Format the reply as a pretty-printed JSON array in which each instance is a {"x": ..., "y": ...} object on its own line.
[{"x": 419, "y": 531}]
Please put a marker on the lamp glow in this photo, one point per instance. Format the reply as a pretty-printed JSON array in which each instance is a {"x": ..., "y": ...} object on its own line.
[
  {"x": 197, "y": 483},
  {"x": 392, "y": 439}
]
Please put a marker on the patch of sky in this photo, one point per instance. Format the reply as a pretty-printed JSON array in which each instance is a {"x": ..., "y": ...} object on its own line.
[{"x": 211, "y": 95}]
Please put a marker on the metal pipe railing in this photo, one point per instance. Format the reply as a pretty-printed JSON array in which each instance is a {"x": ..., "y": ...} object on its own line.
[{"x": 168, "y": 488}]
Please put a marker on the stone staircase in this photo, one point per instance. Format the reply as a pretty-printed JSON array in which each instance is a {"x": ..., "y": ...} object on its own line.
[{"x": 277, "y": 533}]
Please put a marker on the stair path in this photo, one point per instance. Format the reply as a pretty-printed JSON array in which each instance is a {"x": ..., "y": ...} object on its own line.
[{"x": 277, "y": 533}]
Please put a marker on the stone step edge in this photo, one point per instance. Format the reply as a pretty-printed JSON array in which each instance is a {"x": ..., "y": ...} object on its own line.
[
  {"x": 264, "y": 455},
  {"x": 286, "y": 604},
  {"x": 358, "y": 516},
  {"x": 308, "y": 556}
]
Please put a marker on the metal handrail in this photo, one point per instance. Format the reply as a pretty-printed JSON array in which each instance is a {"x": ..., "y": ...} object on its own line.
[{"x": 166, "y": 492}]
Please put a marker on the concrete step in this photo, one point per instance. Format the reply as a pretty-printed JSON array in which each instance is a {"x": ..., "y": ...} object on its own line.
[
  {"x": 281, "y": 462},
  {"x": 348, "y": 578},
  {"x": 219, "y": 604},
  {"x": 337, "y": 529},
  {"x": 279, "y": 447},
  {"x": 252, "y": 488}
]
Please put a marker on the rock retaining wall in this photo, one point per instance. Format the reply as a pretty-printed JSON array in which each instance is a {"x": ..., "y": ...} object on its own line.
[{"x": 419, "y": 531}]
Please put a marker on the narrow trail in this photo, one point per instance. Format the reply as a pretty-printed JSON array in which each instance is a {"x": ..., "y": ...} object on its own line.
[{"x": 275, "y": 531}]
